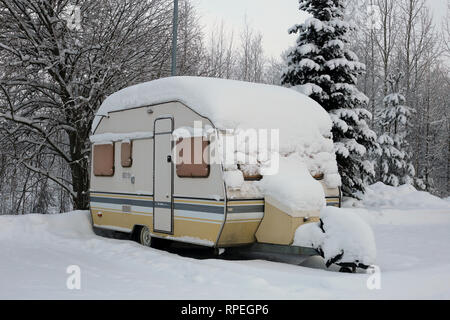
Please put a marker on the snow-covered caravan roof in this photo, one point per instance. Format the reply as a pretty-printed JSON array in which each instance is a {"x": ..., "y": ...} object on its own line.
[
  {"x": 304, "y": 126},
  {"x": 229, "y": 104}
]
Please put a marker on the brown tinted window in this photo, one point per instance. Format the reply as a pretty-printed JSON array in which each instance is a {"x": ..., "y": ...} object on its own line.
[
  {"x": 126, "y": 154},
  {"x": 250, "y": 172},
  {"x": 191, "y": 162},
  {"x": 104, "y": 160}
]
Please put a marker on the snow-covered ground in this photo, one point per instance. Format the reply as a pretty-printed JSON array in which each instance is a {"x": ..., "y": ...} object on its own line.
[{"x": 413, "y": 253}]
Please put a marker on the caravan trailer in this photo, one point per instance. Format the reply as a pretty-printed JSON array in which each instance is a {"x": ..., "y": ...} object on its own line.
[{"x": 140, "y": 186}]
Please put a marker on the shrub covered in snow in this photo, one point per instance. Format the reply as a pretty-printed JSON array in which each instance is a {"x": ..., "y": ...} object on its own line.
[{"x": 342, "y": 236}]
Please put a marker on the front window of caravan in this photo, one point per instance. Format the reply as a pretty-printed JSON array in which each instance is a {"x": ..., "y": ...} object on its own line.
[
  {"x": 192, "y": 157},
  {"x": 104, "y": 160},
  {"x": 318, "y": 176},
  {"x": 250, "y": 172}
]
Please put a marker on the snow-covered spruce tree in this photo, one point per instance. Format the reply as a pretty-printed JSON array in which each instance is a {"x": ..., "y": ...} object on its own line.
[
  {"x": 322, "y": 66},
  {"x": 396, "y": 168}
]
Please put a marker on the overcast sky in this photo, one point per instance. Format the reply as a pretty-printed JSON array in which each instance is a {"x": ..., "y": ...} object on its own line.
[{"x": 271, "y": 17}]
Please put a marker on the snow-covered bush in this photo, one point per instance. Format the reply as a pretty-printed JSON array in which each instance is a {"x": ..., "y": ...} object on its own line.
[{"x": 342, "y": 237}]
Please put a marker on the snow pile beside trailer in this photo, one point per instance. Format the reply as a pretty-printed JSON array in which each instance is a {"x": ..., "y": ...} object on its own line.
[
  {"x": 74, "y": 225},
  {"x": 343, "y": 236},
  {"x": 304, "y": 126},
  {"x": 380, "y": 195}
]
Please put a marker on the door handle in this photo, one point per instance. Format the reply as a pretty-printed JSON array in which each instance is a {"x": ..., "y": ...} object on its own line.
[{"x": 169, "y": 158}]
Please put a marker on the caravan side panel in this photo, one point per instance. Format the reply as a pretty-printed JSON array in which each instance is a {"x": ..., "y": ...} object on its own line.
[
  {"x": 117, "y": 202},
  {"x": 126, "y": 199}
]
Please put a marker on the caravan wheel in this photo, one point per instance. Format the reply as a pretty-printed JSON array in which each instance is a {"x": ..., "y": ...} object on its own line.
[{"x": 145, "y": 238}]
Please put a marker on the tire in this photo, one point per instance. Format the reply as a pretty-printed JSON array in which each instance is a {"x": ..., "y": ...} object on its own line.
[
  {"x": 142, "y": 235},
  {"x": 145, "y": 237}
]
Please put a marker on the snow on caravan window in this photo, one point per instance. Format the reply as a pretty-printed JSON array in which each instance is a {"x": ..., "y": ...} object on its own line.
[
  {"x": 192, "y": 158},
  {"x": 250, "y": 172},
  {"x": 104, "y": 160},
  {"x": 126, "y": 154}
]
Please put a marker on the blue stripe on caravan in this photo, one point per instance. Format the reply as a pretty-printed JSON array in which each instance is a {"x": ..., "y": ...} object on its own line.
[
  {"x": 120, "y": 194},
  {"x": 160, "y": 204},
  {"x": 245, "y": 209},
  {"x": 124, "y": 201},
  {"x": 199, "y": 208}
]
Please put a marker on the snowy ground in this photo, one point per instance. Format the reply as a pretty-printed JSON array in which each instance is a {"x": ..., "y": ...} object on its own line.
[{"x": 413, "y": 252}]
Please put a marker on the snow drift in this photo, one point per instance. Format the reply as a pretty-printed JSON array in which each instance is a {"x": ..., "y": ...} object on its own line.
[
  {"x": 35, "y": 251},
  {"x": 403, "y": 197},
  {"x": 76, "y": 224}
]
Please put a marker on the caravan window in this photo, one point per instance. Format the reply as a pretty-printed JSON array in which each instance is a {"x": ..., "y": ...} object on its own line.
[
  {"x": 104, "y": 160},
  {"x": 126, "y": 154},
  {"x": 192, "y": 158},
  {"x": 250, "y": 172}
]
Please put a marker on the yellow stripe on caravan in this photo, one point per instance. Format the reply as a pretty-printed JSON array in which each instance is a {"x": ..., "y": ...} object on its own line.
[
  {"x": 120, "y": 211},
  {"x": 243, "y": 203},
  {"x": 106, "y": 210},
  {"x": 198, "y": 220},
  {"x": 244, "y": 220},
  {"x": 199, "y": 202}
]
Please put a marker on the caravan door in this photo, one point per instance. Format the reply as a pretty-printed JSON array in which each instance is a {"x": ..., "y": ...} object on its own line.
[{"x": 163, "y": 176}]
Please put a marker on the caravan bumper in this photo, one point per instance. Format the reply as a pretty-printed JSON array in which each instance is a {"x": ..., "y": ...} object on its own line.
[{"x": 283, "y": 249}]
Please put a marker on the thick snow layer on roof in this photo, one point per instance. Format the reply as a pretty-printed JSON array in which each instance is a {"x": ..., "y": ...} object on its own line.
[{"x": 229, "y": 104}]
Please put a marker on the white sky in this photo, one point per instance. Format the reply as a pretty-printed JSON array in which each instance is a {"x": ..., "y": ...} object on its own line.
[{"x": 271, "y": 17}]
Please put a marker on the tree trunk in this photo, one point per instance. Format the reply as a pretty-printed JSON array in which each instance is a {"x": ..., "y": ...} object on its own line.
[{"x": 79, "y": 168}]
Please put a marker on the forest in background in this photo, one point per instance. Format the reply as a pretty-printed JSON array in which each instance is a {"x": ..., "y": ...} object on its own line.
[{"x": 59, "y": 59}]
